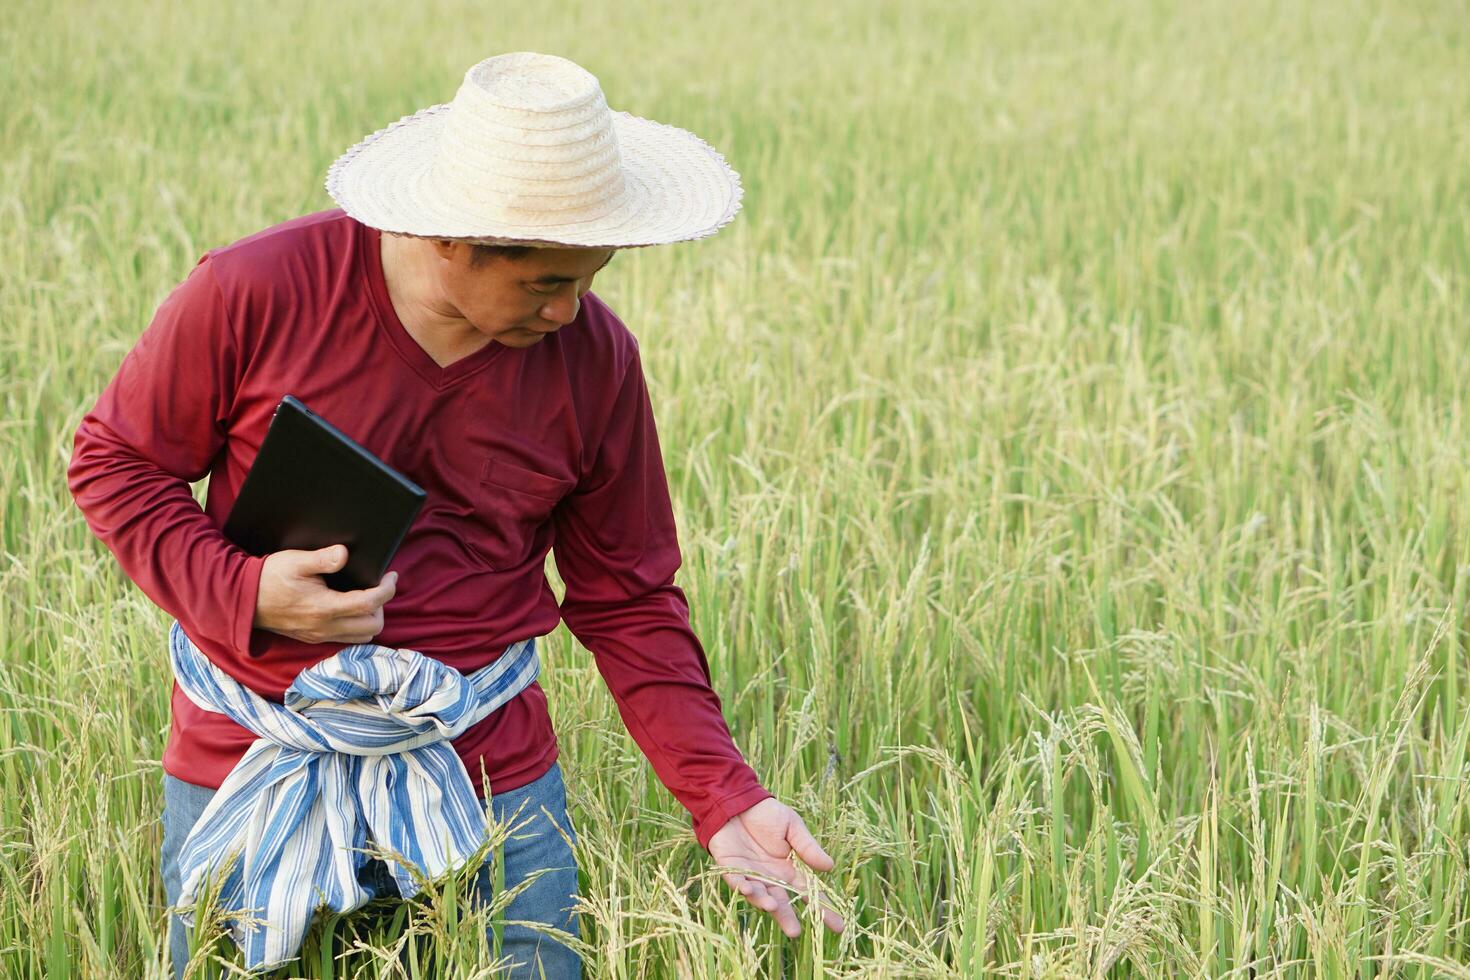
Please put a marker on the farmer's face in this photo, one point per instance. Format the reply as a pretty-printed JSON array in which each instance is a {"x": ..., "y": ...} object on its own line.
[{"x": 519, "y": 301}]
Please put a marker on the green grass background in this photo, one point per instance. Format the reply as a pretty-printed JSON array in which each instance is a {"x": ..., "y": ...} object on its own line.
[{"x": 1068, "y": 441}]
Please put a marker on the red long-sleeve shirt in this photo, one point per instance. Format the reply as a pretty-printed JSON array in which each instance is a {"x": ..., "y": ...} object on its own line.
[{"x": 521, "y": 451}]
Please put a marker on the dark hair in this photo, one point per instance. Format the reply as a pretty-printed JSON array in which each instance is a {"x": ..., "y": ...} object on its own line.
[{"x": 484, "y": 253}]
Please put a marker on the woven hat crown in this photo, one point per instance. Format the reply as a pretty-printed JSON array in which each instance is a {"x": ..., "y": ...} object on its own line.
[
  {"x": 528, "y": 151},
  {"x": 527, "y": 136}
]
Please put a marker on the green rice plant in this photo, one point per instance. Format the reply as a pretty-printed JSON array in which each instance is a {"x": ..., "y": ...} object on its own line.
[{"x": 1067, "y": 443}]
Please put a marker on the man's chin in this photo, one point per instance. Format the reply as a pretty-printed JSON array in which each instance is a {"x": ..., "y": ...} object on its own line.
[{"x": 521, "y": 337}]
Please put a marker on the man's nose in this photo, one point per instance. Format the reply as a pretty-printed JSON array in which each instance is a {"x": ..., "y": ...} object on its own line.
[{"x": 562, "y": 310}]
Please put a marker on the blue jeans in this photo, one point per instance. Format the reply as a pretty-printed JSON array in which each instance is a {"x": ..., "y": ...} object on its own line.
[{"x": 535, "y": 845}]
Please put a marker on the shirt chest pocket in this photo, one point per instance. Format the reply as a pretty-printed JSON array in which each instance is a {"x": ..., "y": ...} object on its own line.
[{"x": 512, "y": 512}]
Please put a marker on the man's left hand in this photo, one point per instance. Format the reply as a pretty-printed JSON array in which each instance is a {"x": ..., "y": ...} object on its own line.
[{"x": 762, "y": 840}]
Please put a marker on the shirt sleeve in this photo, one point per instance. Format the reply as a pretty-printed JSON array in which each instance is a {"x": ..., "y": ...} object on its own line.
[
  {"x": 157, "y": 428},
  {"x": 616, "y": 550}
]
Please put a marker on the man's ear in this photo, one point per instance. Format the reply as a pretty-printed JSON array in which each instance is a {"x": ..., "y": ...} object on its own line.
[{"x": 447, "y": 248}]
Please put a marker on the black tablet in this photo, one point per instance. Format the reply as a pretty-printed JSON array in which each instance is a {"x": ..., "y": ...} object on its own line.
[{"x": 311, "y": 486}]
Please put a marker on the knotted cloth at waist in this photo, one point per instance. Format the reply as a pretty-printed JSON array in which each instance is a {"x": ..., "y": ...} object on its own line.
[{"x": 359, "y": 751}]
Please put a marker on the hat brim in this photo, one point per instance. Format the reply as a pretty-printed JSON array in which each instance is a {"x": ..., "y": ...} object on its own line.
[{"x": 678, "y": 188}]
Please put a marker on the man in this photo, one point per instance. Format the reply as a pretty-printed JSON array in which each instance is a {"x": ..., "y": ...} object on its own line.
[{"x": 442, "y": 318}]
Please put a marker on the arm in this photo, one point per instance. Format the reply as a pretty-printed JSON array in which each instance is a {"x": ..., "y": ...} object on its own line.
[
  {"x": 156, "y": 428},
  {"x": 616, "y": 551}
]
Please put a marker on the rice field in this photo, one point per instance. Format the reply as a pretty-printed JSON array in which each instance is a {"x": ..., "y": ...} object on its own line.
[{"x": 1068, "y": 443}]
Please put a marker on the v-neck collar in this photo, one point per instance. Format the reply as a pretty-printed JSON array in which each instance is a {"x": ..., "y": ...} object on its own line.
[{"x": 371, "y": 257}]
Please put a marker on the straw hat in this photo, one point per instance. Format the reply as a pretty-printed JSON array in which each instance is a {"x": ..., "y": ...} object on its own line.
[{"x": 529, "y": 153}]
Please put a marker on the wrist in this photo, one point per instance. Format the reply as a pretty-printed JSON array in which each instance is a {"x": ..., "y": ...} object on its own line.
[
  {"x": 249, "y": 615},
  {"x": 726, "y": 809}
]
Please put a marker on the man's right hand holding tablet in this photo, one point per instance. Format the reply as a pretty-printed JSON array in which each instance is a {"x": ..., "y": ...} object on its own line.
[{"x": 294, "y": 601}]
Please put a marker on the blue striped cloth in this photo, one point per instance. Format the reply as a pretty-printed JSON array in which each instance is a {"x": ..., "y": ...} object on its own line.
[{"x": 358, "y": 752}]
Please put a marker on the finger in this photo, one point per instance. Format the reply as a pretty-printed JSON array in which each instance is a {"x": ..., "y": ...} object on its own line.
[
  {"x": 764, "y": 897},
  {"x": 806, "y": 846},
  {"x": 365, "y": 602},
  {"x": 737, "y": 882},
  {"x": 830, "y": 917},
  {"x": 806, "y": 886},
  {"x": 772, "y": 898},
  {"x": 745, "y": 886},
  {"x": 757, "y": 893},
  {"x": 358, "y": 629},
  {"x": 330, "y": 558},
  {"x": 388, "y": 586},
  {"x": 783, "y": 913}
]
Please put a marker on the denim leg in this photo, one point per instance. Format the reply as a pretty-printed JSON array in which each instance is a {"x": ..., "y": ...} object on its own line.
[
  {"x": 535, "y": 845},
  {"x": 182, "y": 805}
]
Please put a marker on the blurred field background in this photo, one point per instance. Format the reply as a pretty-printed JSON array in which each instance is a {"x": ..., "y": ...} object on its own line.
[{"x": 1068, "y": 440}]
